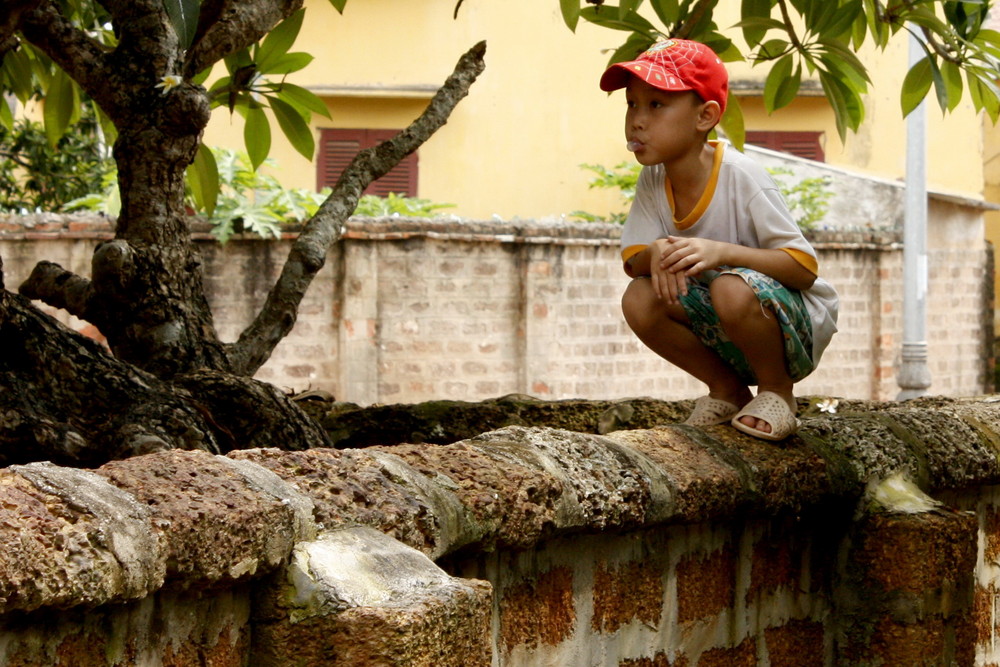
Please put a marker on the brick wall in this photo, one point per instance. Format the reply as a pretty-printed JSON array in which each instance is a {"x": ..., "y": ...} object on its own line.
[{"x": 406, "y": 311}]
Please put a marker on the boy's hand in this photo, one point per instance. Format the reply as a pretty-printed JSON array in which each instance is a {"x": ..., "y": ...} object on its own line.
[
  {"x": 690, "y": 256},
  {"x": 668, "y": 285}
]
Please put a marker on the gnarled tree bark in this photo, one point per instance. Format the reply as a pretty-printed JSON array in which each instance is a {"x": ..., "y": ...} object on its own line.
[{"x": 168, "y": 381}]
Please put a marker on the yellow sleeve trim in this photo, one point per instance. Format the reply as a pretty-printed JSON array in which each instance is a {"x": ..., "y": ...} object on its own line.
[
  {"x": 706, "y": 195},
  {"x": 631, "y": 251},
  {"x": 805, "y": 259},
  {"x": 627, "y": 254}
]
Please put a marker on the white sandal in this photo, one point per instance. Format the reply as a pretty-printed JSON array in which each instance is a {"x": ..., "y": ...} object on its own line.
[
  {"x": 773, "y": 409},
  {"x": 710, "y": 411}
]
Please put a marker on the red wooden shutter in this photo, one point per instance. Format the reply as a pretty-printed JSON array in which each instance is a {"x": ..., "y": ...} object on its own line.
[
  {"x": 802, "y": 144},
  {"x": 338, "y": 148}
]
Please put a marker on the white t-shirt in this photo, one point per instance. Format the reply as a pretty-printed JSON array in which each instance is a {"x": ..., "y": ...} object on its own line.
[{"x": 742, "y": 205}]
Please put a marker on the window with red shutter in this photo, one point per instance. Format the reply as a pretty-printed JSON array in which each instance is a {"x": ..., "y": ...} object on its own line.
[
  {"x": 802, "y": 144},
  {"x": 338, "y": 147}
]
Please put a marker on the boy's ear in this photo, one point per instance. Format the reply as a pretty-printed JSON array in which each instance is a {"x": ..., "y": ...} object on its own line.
[{"x": 709, "y": 115}]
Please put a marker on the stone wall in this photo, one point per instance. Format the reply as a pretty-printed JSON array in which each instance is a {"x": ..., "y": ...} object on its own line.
[
  {"x": 873, "y": 537},
  {"x": 406, "y": 310}
]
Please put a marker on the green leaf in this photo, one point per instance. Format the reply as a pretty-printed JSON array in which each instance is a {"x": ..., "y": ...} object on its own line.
[
  {"x": 288, "y": 63},
  {"x": 606, "y": 16},
  {"x": 845, "y": 62},
  {"x": 772, "y": 48},
  {"x": 338, "y": 5},
  {"x": 6, "y": 116},
  {"x": 667, "y": 11},
  {"x": 627, "y": 6},
  {"x": 756, "y": 21},
  {"x": 302, "y": 99},
  {"x": 781, "y": 84},
  {"x": 184, "y": 17},
  {"x": 257, "y": 135},
  {"x": 60, "y": 104},
  {"x": 203, "y": 178},
  {"x": 952, "y": 75},
  {"x": 570, "y": 13},
  {"x": 295, "y": 127},
  {"x": 845, "y": 101},
  {"x": 732, "y": 122},
  {"x": 915, "y": 85},
  {"x": 844, "y": 19},
  {"x": 636, "y": 43},
  {"x": 278, "y": 41},
  {"x": 18, "y": 73},
  {"x": 985, "y": 95}
]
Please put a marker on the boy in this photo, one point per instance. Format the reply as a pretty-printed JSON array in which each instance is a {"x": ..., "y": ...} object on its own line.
[{"x": 724, "y": 284}]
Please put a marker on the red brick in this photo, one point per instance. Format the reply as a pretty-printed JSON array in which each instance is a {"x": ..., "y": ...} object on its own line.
[
  {"x": 538, "y": 612},
  {"x": 706, "y": 585},
  {"x": 627, "y": 592}
]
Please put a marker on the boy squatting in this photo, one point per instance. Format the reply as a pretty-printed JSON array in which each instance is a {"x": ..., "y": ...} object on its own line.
[{"x": 724, "y": 285}]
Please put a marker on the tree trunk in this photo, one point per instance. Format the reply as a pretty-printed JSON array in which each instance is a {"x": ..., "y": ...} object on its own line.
[
  {"x": 65, "y": 398},
  {"x": 168, "y": 382}
]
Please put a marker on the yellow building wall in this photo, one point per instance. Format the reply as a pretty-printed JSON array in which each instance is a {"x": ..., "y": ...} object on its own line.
[{"x": 513, "y": 147}]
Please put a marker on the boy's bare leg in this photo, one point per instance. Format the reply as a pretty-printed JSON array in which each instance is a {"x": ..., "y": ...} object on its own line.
[
  {"x": 756, "y": 332},
  {"x": 665, "y": 329}
]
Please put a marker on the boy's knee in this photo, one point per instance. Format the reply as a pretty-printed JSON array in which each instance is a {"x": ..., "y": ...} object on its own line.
[
  {"x": 733, "y": 299},
  {"x": 636, "y": 301}
]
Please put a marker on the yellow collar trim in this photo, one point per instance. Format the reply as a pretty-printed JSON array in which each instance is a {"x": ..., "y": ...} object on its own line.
[{"x": 706, "y": 195}]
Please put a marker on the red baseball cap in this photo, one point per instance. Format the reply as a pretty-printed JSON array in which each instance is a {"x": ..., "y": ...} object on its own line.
[{"x": 675, "y": 65}]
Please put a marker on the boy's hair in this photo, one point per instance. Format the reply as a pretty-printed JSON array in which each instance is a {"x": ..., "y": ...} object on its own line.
[{"x": 675, "y": 65}]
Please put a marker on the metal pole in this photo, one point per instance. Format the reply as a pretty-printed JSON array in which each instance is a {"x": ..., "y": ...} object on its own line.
[{"x": 914, "y": 376}]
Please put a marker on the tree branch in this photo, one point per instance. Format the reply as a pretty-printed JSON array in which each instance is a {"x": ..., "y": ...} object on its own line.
[
  {"x": 683, "y": 30},
  {"x": 236, "y": 25},
  {"x": 308, "y": 254},
  {"x": 59, "y": 288},
  {"x": 83, "y": 59}
]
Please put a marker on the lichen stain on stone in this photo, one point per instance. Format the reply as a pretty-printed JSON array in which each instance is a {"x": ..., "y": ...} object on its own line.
[
  {"x": 352, "y": 487},
  {"x": 606, "y": 483},
  {"x": 706, "y": 584},
  {"x": 219, "y": 651},
  {"x": 658, "y": 660},
  {"x": 516, "y": 503},
  {"x": 982, "y": 611},
  {"x": 702, "y": 485},
  {"x": 795, "y": 642},
  {"x": 776, "y": 562},
  {"x": 538, "y": 612},
  {"x": 625, "y": 592},
  {"x": 916, "y": 553},
  {"x": 991, "y": 531},
  {"x": 744, "y": 655}
]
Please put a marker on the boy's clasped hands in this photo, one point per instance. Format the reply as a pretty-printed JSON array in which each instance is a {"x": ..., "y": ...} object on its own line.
[{"x": 679, "y": 259}]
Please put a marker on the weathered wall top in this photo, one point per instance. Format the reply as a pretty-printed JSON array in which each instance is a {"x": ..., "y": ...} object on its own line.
[{"x": 117, "y": 533}]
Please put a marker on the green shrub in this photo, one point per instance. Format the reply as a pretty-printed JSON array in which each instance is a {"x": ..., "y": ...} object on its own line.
[
  {"x": 36, "y": 176},
  {"x": 250, "y": 201}
]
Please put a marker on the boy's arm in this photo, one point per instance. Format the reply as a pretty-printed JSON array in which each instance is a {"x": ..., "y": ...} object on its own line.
[
  {"x": 691, "y": 256},
  {"x": 667, "y": 285}
]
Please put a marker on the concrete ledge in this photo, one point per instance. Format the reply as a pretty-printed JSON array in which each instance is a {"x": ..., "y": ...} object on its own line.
[{"x": 74, "y": 537}]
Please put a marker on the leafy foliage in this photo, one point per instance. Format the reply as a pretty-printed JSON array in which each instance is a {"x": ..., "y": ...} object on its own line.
[
  {"x": 35, "y": 175},
  {"x": 255, "y": 86},
  {"x": 248, "y": 201},
  {"x": 397, "y": 206},
  {"x": 798, "y": 38},
  {"x": 251, "y": 201},
  {"x": 806, "y": 198}
]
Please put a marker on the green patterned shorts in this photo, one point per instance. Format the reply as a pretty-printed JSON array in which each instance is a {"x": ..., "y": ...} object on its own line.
[{"x": 786, "y": 304}]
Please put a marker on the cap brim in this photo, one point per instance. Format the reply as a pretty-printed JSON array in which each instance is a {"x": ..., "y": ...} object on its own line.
[{"x": 615, "y": 77}]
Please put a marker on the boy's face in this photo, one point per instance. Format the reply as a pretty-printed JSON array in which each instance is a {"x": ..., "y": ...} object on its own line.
[{"x": 664, "y": 126}]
